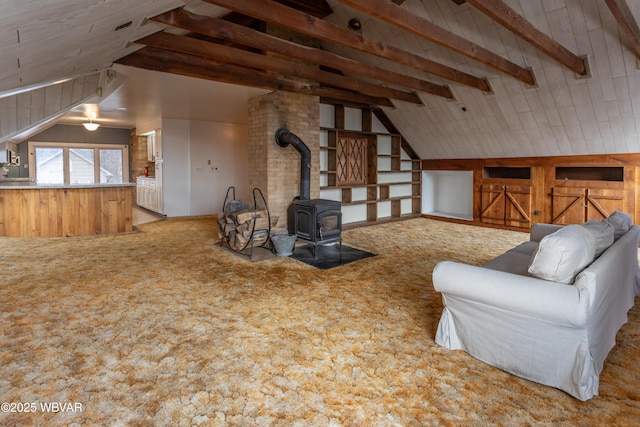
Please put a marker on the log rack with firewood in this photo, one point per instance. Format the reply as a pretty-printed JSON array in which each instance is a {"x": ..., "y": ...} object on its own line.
[{"x": 242, "y": 227}]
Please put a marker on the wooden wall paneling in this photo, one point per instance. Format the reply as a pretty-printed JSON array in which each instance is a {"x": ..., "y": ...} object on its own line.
[
  {"x": 3, "y": 215},
  {"x": 546, "y": 195},
  {"x": 87, "y": 214},
  {"x": 95, "y": 206},
  {"x": 538, "y": 198},
  {"x": 52, "y": 202},
  {"x": 6, "y": 205},
  {"x": 69, "y": 212},
  {"x": 55, "y": 212},
  {"x": 108, "y": 212},
  {"x": 15, "y": 203},
  {"x": 631, "y": 191},
  {"x": 477, "y": 194}
]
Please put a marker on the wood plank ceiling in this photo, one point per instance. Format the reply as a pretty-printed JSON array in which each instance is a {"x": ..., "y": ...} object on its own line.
[
  {"x": 475, "y": 78},
  {"x": 533, "y": 69}
]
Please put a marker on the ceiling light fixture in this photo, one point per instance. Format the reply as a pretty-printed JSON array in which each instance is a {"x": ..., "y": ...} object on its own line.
[{"x": 90, "y": 125}]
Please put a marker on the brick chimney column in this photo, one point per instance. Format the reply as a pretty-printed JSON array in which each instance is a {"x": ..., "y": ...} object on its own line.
[{"x": 276, "y": 170}]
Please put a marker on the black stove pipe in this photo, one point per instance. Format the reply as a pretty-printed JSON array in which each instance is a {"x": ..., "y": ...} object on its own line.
[{"x": 284, "y": 138}]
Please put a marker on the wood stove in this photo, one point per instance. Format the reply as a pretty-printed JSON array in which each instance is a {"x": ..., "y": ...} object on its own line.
[
  {"x": 315, "y": 221},
  {"x": 318, "y": 221}
]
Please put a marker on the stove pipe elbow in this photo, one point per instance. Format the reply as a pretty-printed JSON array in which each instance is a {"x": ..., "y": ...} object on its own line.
[{"x": 284, "y": 138}]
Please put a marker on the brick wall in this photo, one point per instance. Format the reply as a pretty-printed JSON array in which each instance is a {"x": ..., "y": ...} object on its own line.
[
  {"x": 274, "y": 169},
  {"x": 137, "y": 158}
]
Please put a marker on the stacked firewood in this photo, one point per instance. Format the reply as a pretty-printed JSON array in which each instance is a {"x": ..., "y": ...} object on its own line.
[{"x": 245, "y": 228}]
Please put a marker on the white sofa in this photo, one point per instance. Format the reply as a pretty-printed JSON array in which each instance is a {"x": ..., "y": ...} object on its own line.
[{"x": 553, "y": 333}]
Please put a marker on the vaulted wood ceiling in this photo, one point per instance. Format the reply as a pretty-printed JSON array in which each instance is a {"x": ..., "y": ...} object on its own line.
[{"x": 474, "y": 78}]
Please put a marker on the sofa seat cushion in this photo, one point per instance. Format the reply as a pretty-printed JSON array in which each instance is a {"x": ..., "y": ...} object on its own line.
[
  {"x": 563, "y": 254},
  {"x": 511, "y": 262}
]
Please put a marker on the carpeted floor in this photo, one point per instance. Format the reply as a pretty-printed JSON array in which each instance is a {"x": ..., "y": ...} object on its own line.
[{"x": 162, "y": 327}]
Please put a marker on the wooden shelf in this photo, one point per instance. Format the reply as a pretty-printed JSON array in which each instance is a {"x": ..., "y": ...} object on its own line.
[{"x": 382, "y": 150}]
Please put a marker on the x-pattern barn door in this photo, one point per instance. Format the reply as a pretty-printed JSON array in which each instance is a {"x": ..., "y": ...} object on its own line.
[
  {"x": 506, "y": 204},
  {"x": 578, "y": 205},
  {"x": 351, "y": 160}
]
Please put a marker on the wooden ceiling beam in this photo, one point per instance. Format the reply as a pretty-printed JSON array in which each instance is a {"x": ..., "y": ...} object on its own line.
[
  {"x": 301, "y": 22},
  {"x": 237, "y": 34},
  {"x": 626, "y": 21},
  {"x": 500, "y": 12},
  {"x": 391, "y": 13},
  {"x": 150, "y": 58},
  {"x": 217, "y": 52}
]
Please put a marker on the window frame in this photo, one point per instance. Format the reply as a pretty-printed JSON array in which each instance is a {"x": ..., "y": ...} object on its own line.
[{"x": 66, "y": 146}]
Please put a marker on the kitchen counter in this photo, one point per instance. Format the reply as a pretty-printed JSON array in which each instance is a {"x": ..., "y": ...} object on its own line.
[{"x": 29, "y": 209}]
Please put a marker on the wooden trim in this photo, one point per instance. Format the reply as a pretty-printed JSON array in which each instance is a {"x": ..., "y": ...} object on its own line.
[{"x": 579, "y": 160}]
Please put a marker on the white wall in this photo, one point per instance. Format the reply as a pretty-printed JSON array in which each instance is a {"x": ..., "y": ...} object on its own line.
[
  {"x": 219, "y": 158},
  {"x": 448, "y": 193},
  {"x": 201, "y": 160},
  {"x": 175, "y": 174}
]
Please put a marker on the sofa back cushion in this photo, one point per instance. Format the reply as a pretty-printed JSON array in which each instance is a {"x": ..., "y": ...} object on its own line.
[
  {"x": 603, "y": 232},
  {"x": 563, "y": 254},
  {"x": 621, "y": 223}
]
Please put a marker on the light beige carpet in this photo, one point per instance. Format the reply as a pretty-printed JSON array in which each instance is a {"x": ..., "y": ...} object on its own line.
[{"x": 162, "y": 327}]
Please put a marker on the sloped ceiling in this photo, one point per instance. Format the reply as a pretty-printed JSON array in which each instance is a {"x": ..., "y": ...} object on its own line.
[{"x": 470, "y": 88}]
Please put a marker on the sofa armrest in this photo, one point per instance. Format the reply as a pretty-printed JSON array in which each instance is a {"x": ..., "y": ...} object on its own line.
[
  {"x": 538, "y": 231},
  {"x": 555, "y": 302}
]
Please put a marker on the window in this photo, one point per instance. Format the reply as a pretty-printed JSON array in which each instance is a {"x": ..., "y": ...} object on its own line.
[
  {"x": 78, "y": 164},
  {"x": 49, "y": 165}
]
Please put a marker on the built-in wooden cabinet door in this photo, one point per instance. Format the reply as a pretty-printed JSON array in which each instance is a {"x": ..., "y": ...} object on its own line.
[
  {"x": 571, "y": 205},
  {"x": 492, "y": 204},
  {"x": 506, "y": 204},
  {"x": 602, "y": 202},
  {"x": 351, "y": 160},
  {"x": 567, "y": 205},
  {"x": 517, "y": 200}
]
